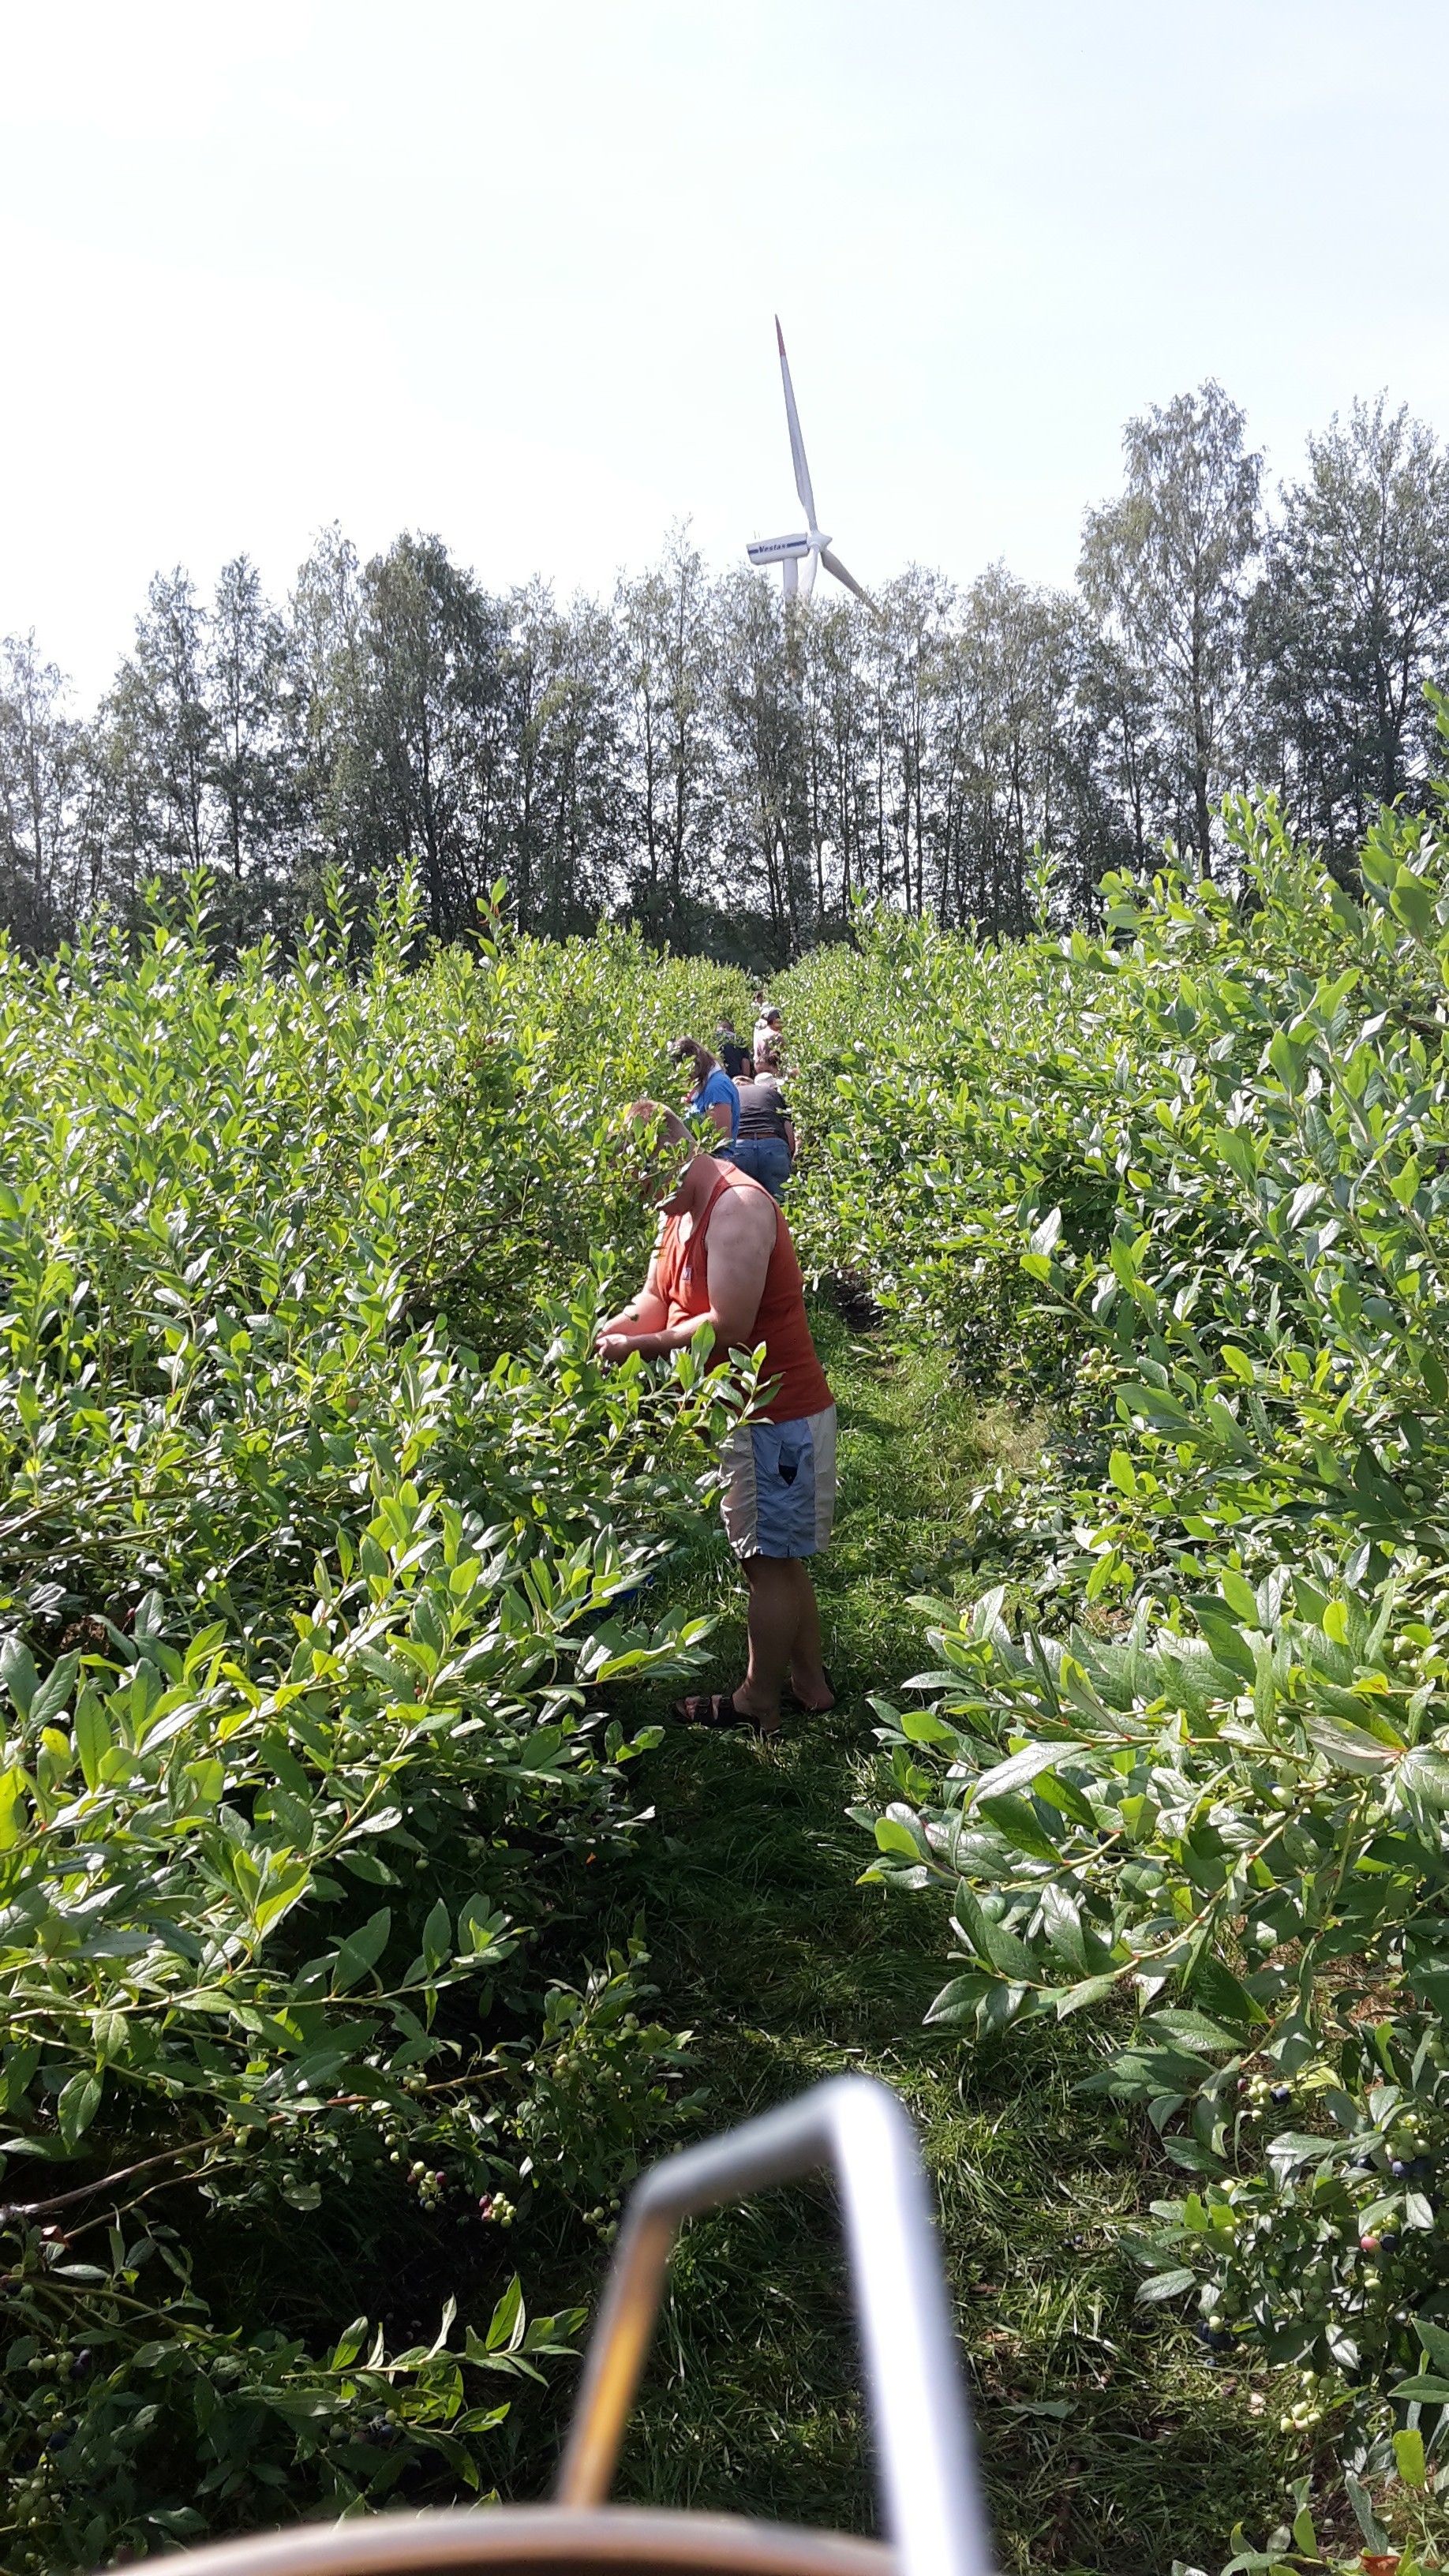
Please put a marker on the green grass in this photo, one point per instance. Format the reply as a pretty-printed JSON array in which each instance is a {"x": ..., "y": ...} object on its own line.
[{"x": 1106, "y": 2444}]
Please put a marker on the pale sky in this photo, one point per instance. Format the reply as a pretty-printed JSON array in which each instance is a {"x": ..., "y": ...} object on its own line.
[{"x": 507, "y": 272}]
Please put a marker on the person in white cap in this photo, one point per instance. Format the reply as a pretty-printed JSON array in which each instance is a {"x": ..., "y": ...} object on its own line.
[{"x": 768, "y": 1031}]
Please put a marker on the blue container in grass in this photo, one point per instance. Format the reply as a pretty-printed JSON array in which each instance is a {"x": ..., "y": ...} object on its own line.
[{"x": 635, "y": 1591}]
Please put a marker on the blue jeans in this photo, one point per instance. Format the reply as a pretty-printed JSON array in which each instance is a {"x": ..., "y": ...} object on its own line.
[{"x": 766, "y": 1159}]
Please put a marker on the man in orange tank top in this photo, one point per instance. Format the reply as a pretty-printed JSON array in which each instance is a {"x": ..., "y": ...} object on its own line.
[{"x": 724, "y": 1258}]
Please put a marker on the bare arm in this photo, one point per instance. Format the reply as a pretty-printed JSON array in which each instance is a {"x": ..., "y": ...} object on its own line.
[
  {"x": 646, "y": 1313},
  {"x": 720, "y": 1115},
  {"x": 738, "y": 1246},
  {"x": 740, "y": 1241}
]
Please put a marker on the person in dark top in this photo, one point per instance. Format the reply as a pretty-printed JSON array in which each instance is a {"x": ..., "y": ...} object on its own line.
[
  {"x": 734, "y": 1057},
  {"x": 765, "y": 1147}
]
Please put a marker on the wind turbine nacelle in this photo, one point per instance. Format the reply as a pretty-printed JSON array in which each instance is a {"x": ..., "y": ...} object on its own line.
[{"x": 777, "y": 550}]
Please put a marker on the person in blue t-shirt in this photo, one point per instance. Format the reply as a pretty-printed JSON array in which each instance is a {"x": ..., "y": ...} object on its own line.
[{"x": 712, "y": 1095}]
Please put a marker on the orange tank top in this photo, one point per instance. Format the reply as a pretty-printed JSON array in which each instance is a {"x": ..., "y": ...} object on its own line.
[{"x": 781, "y": 1324}]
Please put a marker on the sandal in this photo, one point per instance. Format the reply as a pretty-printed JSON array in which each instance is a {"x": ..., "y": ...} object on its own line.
[{"x": 716, "y": 1708}]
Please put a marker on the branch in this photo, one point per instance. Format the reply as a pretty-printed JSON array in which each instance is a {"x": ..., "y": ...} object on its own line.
[{"x": 10, "y": 2210}]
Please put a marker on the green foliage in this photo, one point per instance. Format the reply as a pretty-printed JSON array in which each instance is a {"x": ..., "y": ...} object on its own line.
[
  {"x": 325, "y": 1549},
  {"x": 598, "y": 2083},
  {"x": 1188, "y": 1769},
  {"x": 336, "y": 1582},
  {"x": 119, "y": 2391}
]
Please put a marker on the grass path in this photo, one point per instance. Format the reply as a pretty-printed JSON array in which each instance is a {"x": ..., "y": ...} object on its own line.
[{"x": 1107, "y": 2446}]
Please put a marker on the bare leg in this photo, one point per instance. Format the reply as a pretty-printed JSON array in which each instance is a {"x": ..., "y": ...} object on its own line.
[
  {"x": 774, "y": 1615},
  {"x": 807, "y": 1670},
  {"x": 784, "y": 1637}
]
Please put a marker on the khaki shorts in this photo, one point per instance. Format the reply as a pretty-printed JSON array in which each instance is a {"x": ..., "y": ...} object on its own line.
[{"x": 779, "y": 1496}]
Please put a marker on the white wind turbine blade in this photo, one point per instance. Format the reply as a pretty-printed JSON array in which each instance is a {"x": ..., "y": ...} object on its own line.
[
  {"x": 797, "y": 443},
  {"x": 834, "y": 565}
]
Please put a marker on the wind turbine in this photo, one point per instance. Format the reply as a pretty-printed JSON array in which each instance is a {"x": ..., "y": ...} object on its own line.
[{"x": 810, "y": 547}]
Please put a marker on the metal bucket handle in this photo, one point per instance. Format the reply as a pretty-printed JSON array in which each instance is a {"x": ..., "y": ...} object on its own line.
[{"x": 932, "y": 2498}]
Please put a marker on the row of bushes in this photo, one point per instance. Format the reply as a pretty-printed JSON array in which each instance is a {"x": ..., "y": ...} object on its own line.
[
  {"x": 324, "y": 1562},
  {"x": 1181, "y": 1758}
]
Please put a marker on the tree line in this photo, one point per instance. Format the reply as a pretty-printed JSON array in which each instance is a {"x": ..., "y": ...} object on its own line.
[{"x": 731, "y": 775}]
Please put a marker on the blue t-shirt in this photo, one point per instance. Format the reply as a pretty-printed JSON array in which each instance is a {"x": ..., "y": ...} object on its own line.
[{"x": 718, "y": 1087}]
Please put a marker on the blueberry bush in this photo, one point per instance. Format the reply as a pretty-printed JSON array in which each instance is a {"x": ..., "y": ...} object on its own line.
[
  {"x": 1180, "y": 1761},
  {"x": 325, "y": 1566}
]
